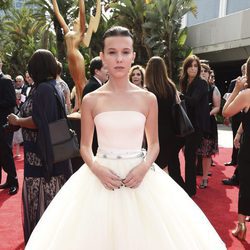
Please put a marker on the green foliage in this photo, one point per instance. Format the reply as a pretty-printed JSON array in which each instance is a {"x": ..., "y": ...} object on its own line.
[
  {"x": 5, "y": 4},
  {"x": 156, "y": 26},
  {"x": 21, "y": 35}
]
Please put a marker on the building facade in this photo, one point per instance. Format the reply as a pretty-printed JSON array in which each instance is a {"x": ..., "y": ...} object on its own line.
[{"x": 220, "y": 34}]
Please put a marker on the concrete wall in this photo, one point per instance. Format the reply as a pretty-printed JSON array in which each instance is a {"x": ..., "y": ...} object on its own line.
[{"x": 222, "y": 39}]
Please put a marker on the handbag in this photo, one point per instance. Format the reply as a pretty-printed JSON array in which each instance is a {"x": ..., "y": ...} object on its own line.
[
  {"x": 182, "y": 124},
  {"x": 64, "y": 140}
]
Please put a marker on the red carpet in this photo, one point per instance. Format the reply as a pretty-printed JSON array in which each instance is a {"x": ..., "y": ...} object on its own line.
[{"x": 218, "y": 202}]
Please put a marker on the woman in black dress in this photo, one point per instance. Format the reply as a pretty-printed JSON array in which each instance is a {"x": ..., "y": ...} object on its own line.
[
  {"x": 209, "y": 142},
  {"x": 237, "y": 102},
  {"x": 195, "y": 93},
  {"x": 158, "y": 82}
]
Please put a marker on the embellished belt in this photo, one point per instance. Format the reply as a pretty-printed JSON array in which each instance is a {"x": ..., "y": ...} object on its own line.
[{"x": 120, "y": 155}]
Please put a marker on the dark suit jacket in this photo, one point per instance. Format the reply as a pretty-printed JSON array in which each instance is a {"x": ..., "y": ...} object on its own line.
[
  {"x": 91, "y": 86},
  {"x": 7, "y": 98}
]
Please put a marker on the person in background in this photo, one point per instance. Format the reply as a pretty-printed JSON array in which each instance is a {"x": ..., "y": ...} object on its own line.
[
  {"x": 158, "y": 82},
  {"x": 98, "y": 75},
  {"x": 22, "y": 87},
  {"x": 30, "y": 83},
  {"x": 195, "y": 93},
  {"x": 240, "y": 101},
  {"x": 136, "y": 75},
  {"x": 209, "y": 142},
  {"x": 235, "y": 122},
  {"x": 74, "y": 100},
  {"x": 42, "y": 177},
  {"x": 7, "y": 104},
  {"x": 63, "y": 86}
]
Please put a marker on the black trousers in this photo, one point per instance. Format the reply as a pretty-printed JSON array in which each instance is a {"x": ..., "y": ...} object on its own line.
[
  {"x": 191, "y": 144},
  {"x": 6, "y": 157}
]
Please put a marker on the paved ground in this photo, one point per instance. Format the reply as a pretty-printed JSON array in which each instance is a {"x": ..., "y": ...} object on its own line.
[{"x": 225, "y": 136}]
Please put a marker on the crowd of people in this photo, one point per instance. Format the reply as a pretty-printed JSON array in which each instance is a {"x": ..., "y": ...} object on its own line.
[{"x": 129, "y": 146}]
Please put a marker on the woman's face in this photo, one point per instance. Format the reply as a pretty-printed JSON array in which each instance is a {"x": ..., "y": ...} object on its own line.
[
  {"x": 204, "y": 74},
  {"x": 136, "y": 77},
  {"x": 192, "y": 71},
  {"x": 118, "y": 55}
]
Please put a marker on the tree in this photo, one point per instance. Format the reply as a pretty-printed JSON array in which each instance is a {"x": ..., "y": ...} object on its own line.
[
  {"x": 131, "y": 14},
  {"x": 156, "y": 25},
  {"x": 5, "y": 4},
  {"x": 164, "y": 34},
  {"x": 22, "y": 35}
]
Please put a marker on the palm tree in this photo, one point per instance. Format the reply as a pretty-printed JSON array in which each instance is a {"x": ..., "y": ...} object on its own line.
[
  {"x": 131, "y": 14},
  {"x": 22, "y": 35},
  {"x": 156, "y": 25},
  {"x": 5, "y": 5},
  {"x": 163, "y": 26}
]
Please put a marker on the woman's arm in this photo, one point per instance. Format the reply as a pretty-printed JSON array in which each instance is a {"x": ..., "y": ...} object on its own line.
[
  {"x": 60, "y": 17},
  {"x": 238, "y": 136},
  {"x": 151, "y": 130},
  {"x": 136, "y": 175},
  {"x": 236, "y": 102},
  {"x": 216, "y": 102},
  {"x": 26, "y": 122},
  {"x": 107, "y": 177}
]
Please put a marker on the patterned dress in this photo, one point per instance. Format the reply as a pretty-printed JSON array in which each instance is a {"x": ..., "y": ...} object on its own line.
[{"x": 37, "y": 191}]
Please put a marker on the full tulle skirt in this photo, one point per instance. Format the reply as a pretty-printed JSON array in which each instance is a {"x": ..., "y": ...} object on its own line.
[{"x": 157, "y": 215}]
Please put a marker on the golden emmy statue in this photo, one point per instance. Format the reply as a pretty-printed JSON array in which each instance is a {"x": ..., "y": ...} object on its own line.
[{"x": 74, "y": 38}]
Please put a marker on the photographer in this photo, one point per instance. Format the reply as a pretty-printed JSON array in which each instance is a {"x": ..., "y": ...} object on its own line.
[{"x": 7, "y": 104}]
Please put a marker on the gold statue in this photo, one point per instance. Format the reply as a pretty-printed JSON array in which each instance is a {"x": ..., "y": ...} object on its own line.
[{"x": 73, "y": 39}]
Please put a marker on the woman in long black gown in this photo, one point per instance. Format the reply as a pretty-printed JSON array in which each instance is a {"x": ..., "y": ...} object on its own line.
[
  {"x": 237, "y": 102},
  {"x": 158, "y": 82}
]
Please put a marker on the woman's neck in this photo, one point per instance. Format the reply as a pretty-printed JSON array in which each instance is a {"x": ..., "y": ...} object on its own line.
[{"x": 118, "y": 84}]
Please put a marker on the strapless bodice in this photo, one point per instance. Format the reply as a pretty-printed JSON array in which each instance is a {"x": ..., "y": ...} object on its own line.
[{"x": 120, "y": 130}]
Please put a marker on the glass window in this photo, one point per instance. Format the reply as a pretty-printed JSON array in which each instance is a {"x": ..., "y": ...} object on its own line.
[
  {"x": 234, "y": 6},
  {"x": 206, "y": 10}
]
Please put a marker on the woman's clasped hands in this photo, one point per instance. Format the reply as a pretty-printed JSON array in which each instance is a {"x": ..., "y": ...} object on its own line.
[
  {"x": 13, "y": 119},
  {"x": 112, "y": 181}
]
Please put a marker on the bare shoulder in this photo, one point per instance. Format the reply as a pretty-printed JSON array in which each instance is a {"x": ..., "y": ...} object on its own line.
[
  {"x": 147, "y": 95},
  {"x": 89, "y": 99}
]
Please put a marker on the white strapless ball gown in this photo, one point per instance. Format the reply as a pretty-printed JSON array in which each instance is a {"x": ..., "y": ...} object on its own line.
[{"x": 158, "y": 215}]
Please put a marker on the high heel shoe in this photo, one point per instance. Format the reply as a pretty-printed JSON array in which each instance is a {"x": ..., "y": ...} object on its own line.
[
  {"x": 240, "y": 231},
  {"x": 204, "y": 183}
]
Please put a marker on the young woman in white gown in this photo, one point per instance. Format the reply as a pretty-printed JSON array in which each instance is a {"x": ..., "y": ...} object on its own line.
[{"x": 120, "y": 200}]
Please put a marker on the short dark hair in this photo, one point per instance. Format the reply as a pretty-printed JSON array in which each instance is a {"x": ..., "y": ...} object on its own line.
[
  {"x": 95, "y": 63},
  {"x": 42, "y": 66},
  {"x": 116, "y": 31}
]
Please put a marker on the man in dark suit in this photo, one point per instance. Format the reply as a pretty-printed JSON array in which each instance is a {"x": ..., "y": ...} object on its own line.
[
  {"x": 7, "y": 104},
  {"x": 98, "y": 76},
  {"x": 235, "y": 121}
]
